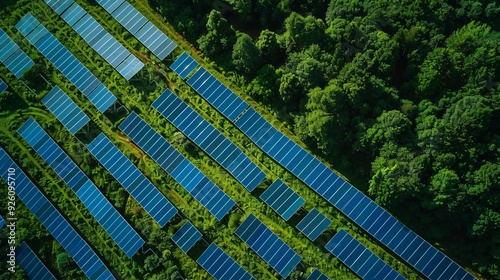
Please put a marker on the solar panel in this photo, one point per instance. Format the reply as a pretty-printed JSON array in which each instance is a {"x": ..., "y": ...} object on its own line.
[
  {"x": 59, "y": 6},
  {"x": 221, "y": 266},
  {"x": 268, "y": 245},
  {"x": 217, "y": 94},
  {"x": 313, "y": 224},
  {"x": 65, "y": 110},
  {"x": 317, "y": 275},
  {"x": 186, "y": 237},
  {"x": 359, "y": 259},
  {"x": 184, "y": 65},
  {"x": 54, "y": 222},
  {"x": 3, "y": 86},
  {"x": 207, "y": 137},
  {"x": 139, "y": 26},
  {"x": 174, "y": 163},
  {"x": 102, "y": 210},
  {"x": 136, "y": 184},
  {"x": 101, "y": 41},
  {"x": 31, "y": 264},
  {"x": 13, "y": 57},
  {"x": 282, "y": 199},
  {"x": 323, "y": 180},
  {"x": 2, "y": 222},
  {"x": 66, "y": 62}
]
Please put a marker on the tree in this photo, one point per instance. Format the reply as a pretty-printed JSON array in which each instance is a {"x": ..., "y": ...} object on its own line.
[
  {"x": 220, "y": 36},
  {"x": 389, "y": 127},
  {"x": 246, "y": 56},
  {"x": 265, "y": 84},
  {"x": 269, "y": 47},
  {"x": 290, "y": 89},
  {"x": 302, "y": 32}
]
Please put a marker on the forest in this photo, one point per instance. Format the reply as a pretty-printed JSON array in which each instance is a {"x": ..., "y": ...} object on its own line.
[{"x": 400, "y": 96}]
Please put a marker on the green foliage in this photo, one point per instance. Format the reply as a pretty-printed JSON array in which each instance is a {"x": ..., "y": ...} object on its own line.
[
  {"x": 220, "y": 36},
  {"x": 246, "y": 57}
]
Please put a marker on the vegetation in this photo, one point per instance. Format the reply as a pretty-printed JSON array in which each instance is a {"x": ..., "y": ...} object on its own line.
[{"x": 401, "y": 97}]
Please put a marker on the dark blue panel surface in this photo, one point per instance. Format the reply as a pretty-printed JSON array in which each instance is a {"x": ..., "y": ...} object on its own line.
[
  {"x": 174, "y": 163},
  {"x": 116, "y": 226},
  {"x": 313, "y": 224},
  {"x": 254, "y": 233},
  {"x": 282, "y": 199},
  {"x": 184, "y": 65},
  {"x": 31, "y": 264},
  {"x": 317, "y": 275},
  {"x": 221, "y": 266},
  {"x": 57, "y": 225},
  {"x": 3, "y": 86},
  {"x": 186, "y": 237},
  {"x": 13, "y": 57}
]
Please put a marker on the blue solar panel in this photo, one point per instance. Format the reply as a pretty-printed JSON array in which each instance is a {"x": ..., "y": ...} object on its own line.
[
  {"x": 317, "y": 275},
  {"x": 101, "y": 41},
  {"x": 2, "y": 222},
  {"x": 102, "y": 210},
  {"x": 359, "y": 259},
  {"x": 13, "y": 57},
  {"x": 31, "y": 264},
  {"x": 54, "y": 222},
  {"x": 186, "y": 237},
  {"x": 282, "y": 199},
  {"x": 65, "y": 110},
  {"x": 136, "y": 184},
  {"x": 319, "y": 177},
  {"x": 268, "y": 245},
  {"x": 221, "y": 266},
  {"x": 145, "y": 31},
  {"x": 313, "y": 224},
  {"x": 174, "y": 163},
  {"x": 66, "y": 62},
  {"x": 59, "y": 6},
  {"x": 207, "y": 137},
  {"x": 184, "y": 65},
  {"x": 217, "y": 94},
  {"x": 3, "y": 86}
]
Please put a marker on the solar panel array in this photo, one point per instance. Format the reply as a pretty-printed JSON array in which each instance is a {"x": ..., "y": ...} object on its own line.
[
  {"x": 174, "y": 163},
  {"x": 102, "y": 210},
  {"x": 12, "y": 56},
  {"x": 317, "y": 275},
  {"x": 142, "y": 29},
  {"x": 65, "y": 110},
  {"x": 3, "y": 86},
  {"x": 354, "y": 204},
  {"x": 2, "y": 222},
  {"x": 207, "y": 137},
  {"x": 217, "y": 94},
  {"x": 221, "y": 266},
  {"x": 268, "y": 245},
  {"x": 184, "y": 65},
  {"x": 359, "y": 259},
  {"x": 31, "y": 264},
  {"x": 136, "y": 184},
  {"x": 54, "y": 222},
  {"x": 66, "y": 62},
  {"x": 282, "y": 199},
  {"x": 186, "y": 236},
  {"x": 313, "y": 224},
  {"x": 99, "y": 39}
]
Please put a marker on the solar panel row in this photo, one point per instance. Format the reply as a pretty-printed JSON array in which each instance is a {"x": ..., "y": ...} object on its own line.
[
  {"x": 317, "y": 275},
  {"x": 186, "y": 236},
  {"x": 3, "y": 86},
  {"x": 359, "y": 259},
  {"x": 102, "y": 210},
  {"x": 66, "y": 62},
  {"x": 100, "y": 40},
  {"x": 174, "y": 163},
  {"x": 221, "y": 266},
  {"x": 214, "y": 143},
  {"x": 13, "y": 57},
  {"x": 59, "y": 6},
  {"x": 282, "y": 199},
  {"x": 184, "y": 65},
  {"x": 2, "y": 222},
  {"x": 268, "y": 245},
  {"x": 65, "y": 110},
  {"x": 145, "y": 31},
  {"x": 31, "y": 264},
  {"x": 217, "y": 94},
  {"x": 136, "y": 184},
  {"x": 313, "y": 224},
  {"x": 54, "y": 222},
  {"x": 323, "y": 180}
]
